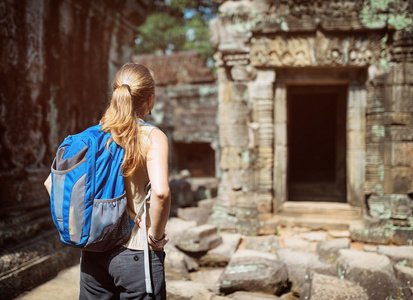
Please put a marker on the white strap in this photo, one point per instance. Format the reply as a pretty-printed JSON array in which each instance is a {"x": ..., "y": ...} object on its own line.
[{"x": 146, "y": 248}]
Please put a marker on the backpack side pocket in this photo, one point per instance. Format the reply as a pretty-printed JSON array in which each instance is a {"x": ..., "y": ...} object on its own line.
[
  {"x": 68, "y": 195},
  {"x": 110, "y": 225}
]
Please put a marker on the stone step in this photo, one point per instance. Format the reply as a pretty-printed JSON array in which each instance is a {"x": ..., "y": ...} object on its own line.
[
  {"x": 317, "y": 222},
  {"x": 310, "y": 209}
]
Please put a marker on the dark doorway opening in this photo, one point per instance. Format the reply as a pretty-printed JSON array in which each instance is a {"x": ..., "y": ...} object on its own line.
[
  {"x": 317, "y": 143},
  {"x": 197, "y": 158}
]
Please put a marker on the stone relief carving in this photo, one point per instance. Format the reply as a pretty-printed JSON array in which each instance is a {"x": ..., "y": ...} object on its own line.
[
  {"x": 297, "y": 15},
  {"x": 281, "y": 51},
  {"x": 321, "y": 50},
  {"x": 232, "y": 30}
]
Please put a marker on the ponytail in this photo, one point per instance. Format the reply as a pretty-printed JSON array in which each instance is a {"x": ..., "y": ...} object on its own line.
[{"x": 122, "y": 117}]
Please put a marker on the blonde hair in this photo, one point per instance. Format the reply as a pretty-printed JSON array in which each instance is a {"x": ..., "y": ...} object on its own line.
[{"x": 132, "y": 87}]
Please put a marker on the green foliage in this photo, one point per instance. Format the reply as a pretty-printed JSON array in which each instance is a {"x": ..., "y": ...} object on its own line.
[{"x": 174, "y": 25}]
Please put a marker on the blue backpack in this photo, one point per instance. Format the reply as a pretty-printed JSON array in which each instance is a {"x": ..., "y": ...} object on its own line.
[{"x": 88, "y": 199}]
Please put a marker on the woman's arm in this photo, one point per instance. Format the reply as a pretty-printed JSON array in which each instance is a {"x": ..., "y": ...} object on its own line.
[
  {"x": 48, "y": 184},
  {"x": 160, "y": 201}
]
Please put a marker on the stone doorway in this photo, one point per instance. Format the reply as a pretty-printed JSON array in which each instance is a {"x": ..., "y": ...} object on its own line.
[
  {"x": 197, "y": 158},
  {"x": 347, "y": 154},
  {"x": 316, "y": 137}
]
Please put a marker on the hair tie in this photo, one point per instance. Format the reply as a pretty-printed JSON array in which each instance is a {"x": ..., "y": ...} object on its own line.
[{"x": 127, "y": 86}]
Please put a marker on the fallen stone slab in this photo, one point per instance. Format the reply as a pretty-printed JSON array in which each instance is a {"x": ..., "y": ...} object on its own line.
[
  {"x": 297, "y": 243},
  {"x": 314, "y": 236},
  {"x": 178, "y": 264},
  {"x": 268, "y": 243},
  {"x": 404, "y": 275},
  {"x": 209, "y": 278},
  {"x": 187, "y": 290},
  {"x": 176, "y": 228},
  {"x": 397, "y": 253},
  {"x": 374, "y": 272},
  {"x": 198, "y": 214},
  {"x": 254, "y": 271},
  {"x": 324, "y": 287},
  {"x": 328, "y": 250},
  {"x": 301, "y": 265},
  {"x": 199, "y": 239},
  {"x": 220, "y": 256},
  {"x": 241, "y": 295}
]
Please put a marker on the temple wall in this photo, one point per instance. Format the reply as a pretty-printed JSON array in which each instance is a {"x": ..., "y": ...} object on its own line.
[
  {"x": 186, "y": 109},
  {"x": 57, "y": 59},
  {"x": 266, "y": 49}
]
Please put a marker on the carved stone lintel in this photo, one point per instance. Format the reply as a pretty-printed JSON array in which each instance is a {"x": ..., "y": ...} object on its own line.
[{"x": 318, "y": 50}]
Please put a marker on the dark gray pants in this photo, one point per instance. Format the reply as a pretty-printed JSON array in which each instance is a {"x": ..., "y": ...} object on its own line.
[{"x": 119, "y": 274}]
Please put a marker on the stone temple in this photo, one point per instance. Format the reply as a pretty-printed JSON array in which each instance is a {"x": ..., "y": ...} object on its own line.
[
  {"x": 315, "y": 111},
  {"x": 308, "y": 119}
]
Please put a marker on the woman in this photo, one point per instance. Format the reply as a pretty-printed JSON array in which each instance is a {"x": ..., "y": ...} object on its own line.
[{"x": 119, "y": 273}]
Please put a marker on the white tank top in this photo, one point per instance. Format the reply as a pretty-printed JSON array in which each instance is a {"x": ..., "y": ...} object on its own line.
[{"x": 135, "y": 186}]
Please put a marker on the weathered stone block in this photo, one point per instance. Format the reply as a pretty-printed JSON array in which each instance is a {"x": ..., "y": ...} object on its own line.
[
  {"x": 375, "y": 133},
  {"x": 264, "y": 202},
  {"x": 221, "y": 255},
  {"x": 233, "y": 135},
  {"x": 235, "y": 112},
  {"x": 397, "y": 253},
  {"x": 200, "y": 238},
  {"x": 300, "y": 265},
  {"x": 254, "y": 271},
  {"x": 268, "y": 227},
  {"x": 239, "y": 92},
  {"x": 231, "y": 158},
  {"x": 374, "y": 272},
  {"x": 198, "y": 214},
  {"x": 398, "y": 154},
  {"x": 404, "y": 275},
  {"x": 324, "y": 287},
  {"x": 210, "y": 279},
  {"x": 401, "y": 73},
  {"x": 400, "y": 206},
  {"x": 224, "y": 87},
  {"x": 374, "y": 179},
  {"x": 187, "y": 290},
  {"x": 328, "y": 250},
  {"x": 395, "y": 132},
  {"x": 178, "y": 264},
  {"x": 371, "y": 235},
  {"x": 375, "y": 98},
  {"x": 267, "y": 243},
  {"x": 243, "y": 72},
  {"x": 398, "y": 180},
  {"x": 403, "y": 236},
  {"x": 374, "y": 153},
  {"x": 261, "y": 90},
  {"x": 176, "y": 228},
  {"x": 399, "y": 98},
  {"x": 379, "y": 207}
]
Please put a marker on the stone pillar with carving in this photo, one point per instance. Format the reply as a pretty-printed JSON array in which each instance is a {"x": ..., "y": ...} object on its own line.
[{"x": 242, "y": 139}]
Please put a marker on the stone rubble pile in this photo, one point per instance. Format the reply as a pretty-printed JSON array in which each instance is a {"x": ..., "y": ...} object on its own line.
[{"x": 202, "y": 263}]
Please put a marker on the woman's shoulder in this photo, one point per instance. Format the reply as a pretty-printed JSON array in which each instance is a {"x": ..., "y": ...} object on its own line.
[
  {"x": 153, "y": 131},
  {"x": 147, "y": 127}
]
